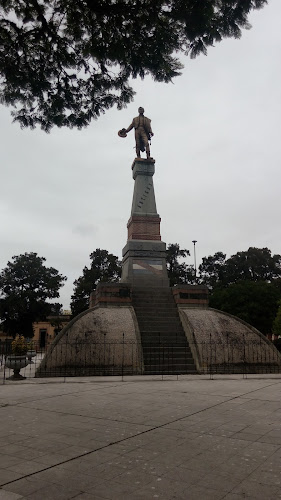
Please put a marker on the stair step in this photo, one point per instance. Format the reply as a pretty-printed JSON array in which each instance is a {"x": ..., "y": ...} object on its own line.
[
  {"x": 151, "y": 314},
  {"x": 167, "y": 362},
  {"x": 161, "y": 309},
  {"x": 149, "y": 351},
  {"x": 164, "y": 344},
  {"x": 165, "y": 341},
  {"x": 152, "y": 340},
  {"x": 161, "y": 312},
  {"x": 156, "y": 351},
  {"x": 172, "y": 371},
  {"x": 154, "y": 369},
  {"x": 159, "y": 333},
  {"x": 160, "y": 319},
  {"x": 154, "y": 325}
]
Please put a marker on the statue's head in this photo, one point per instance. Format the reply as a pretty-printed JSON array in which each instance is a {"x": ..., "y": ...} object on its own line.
[{"x": 141, "y": 111}]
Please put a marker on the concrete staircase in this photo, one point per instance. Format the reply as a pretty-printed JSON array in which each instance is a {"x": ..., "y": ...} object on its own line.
[{"x": 165, "y": 347}]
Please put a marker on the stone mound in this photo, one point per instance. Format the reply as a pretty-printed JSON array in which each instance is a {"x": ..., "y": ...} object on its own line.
[
  {"x": 107, "y": 341},
  {"x": 98, "y": 341},
  {"x": 221, "y": 342}
]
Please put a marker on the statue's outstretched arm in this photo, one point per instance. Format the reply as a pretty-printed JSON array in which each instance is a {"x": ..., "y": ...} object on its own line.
[{"x": 130, "y": 127}]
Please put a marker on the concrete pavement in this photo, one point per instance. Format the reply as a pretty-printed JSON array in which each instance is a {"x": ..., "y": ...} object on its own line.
[{"x": 141, "y": 438}]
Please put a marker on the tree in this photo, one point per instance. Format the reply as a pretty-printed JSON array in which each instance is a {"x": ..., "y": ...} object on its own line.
[
  {"x": 178, "y": 272},
  {"x": 276, "y": 326},
  {"x": 247, "y": 285},
  {"x": 104, "y": 267},
  {"x": 25, "y": 286},
  {"x": 211, "y": 270},
  {"x": 254, "y": 264},
  {"x": 63, "y": 62},
  {"x": 254, "y": 302}
]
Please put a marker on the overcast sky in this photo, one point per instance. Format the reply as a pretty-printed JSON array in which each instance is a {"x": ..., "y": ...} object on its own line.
[{"x": 218, "y": 171}]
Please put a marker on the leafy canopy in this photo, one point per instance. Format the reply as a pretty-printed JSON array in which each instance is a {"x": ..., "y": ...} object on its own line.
[
  {"x": 247, "y": 285},
  {"x": 178, "y": 270},
  {"x": 254, "y": 264},
  {"x": 104, "y": 267},
  {"x": 212, "y": 268},
  {"x": 64, "y": 62},
  {"x": 25, "y": 286},
  {"x": 255, "y": 302}
]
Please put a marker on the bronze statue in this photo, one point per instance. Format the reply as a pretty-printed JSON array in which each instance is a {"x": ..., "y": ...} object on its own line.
[{"x": 143, "y": 132}]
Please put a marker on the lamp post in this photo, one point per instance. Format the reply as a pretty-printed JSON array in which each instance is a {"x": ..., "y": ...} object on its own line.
[{"x": 194, "y": 242}]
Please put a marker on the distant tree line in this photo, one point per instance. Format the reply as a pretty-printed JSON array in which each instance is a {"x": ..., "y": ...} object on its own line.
[{"x": 247, "y": 285}]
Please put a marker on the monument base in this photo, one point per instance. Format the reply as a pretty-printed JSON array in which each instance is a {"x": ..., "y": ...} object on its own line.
[{"x": 144, "y": 263}]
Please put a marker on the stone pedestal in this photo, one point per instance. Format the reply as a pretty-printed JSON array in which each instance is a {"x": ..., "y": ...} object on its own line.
[
  {"x": 144, "y": 256},
  {"x": 144, "y": 263}
]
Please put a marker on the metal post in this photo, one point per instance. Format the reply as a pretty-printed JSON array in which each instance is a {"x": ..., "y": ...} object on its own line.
[{"x": 194, "y": 242}]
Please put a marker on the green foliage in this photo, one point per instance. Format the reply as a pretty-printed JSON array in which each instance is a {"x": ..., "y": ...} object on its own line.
[
  {"x": 25, "y": 285},
  {"x": 178, "y": 272},
  {"x": 276, "y": 327},
  {"x": 104, "y": 267},
  {"x": 247, "y": 285},
  {"x": 212, "y": 269},
  {"x": 19, "y": 346},
  {"x": 64, "y": 62},
  {"x": 254, "y": 302},
  {"x": 255, "y": 264}
]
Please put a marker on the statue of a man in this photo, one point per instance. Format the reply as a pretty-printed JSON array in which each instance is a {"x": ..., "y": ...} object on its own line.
[{"x": 143, "y": 132}]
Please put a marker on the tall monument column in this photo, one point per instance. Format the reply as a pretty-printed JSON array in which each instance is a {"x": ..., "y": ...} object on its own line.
[{"x": 144, "y": 256}]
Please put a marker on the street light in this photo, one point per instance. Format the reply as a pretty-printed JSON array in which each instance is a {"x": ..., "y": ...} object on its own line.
[{"x": 194, "y": 242}]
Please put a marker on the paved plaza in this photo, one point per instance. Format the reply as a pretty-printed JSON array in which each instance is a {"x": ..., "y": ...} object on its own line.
[{"x": 141, "y": 438}]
